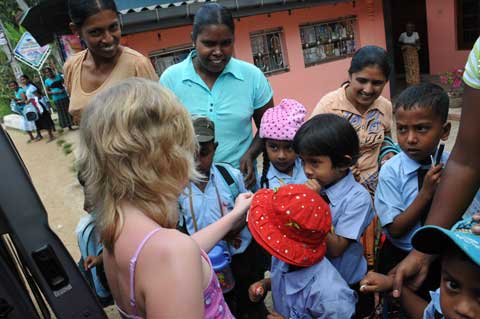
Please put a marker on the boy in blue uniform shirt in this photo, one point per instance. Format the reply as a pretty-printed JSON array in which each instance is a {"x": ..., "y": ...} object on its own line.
[
  {"x": 459, "y": 292},
  {"x": 292, "y": 224},
  {"x": 408, "y": 181},
  {"x": 205, "y": 201}
]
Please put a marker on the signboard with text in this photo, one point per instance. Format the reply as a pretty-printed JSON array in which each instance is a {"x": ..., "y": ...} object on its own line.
[{"x": 30, "y": 52}]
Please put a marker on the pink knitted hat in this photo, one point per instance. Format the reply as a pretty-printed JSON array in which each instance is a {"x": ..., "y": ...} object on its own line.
[{"x": 283, "y": 121}]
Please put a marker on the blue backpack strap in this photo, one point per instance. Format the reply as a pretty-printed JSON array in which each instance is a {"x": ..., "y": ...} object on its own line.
[{"x": 229, "y": 179}]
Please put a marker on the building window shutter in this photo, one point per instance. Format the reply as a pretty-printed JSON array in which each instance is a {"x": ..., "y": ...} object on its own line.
[
  {"x": 268, "y": 50},
  {"x": 328, "y": 40}
]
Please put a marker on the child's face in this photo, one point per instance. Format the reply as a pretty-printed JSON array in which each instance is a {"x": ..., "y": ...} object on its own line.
[
  {"x": 204, "y": 157},
  {"x": 321, "y": 169},
  {"x": 419, "y": 131},
  {"x": 281, "y": 154},
  {"x": 13, "y": 86},
  {"x": 459, "y": 287}
]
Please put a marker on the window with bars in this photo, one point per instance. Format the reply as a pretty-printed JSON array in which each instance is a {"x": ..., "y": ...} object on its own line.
[
  {"x": 268, "y": 51},
  {"x": 329, "y": 40},
  {"x": 468, "y": 23},
  {"x": 164, "y": 58}
]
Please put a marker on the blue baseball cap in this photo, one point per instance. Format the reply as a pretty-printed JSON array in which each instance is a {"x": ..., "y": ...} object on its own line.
[{"x": 434, "y": 239}]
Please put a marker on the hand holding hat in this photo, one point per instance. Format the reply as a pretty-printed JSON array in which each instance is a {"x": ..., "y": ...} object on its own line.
[
  {"x": 291, "y": 223},
  {"x": 242, "y": 204}
]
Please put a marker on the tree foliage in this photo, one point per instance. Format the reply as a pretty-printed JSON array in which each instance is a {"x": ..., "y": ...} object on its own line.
[{"x": 9, "y": 13}]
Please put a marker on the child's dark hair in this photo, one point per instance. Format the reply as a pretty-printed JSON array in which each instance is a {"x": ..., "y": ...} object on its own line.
[
  {"x": 211, "y": 13},
  {"x": 370, "y": 55},
  {"x": 424, "y": 95},
  {"x": 328, "y": 135},
  {"x": 81, "y": 10},
  {"x": 264, "y": 183}
]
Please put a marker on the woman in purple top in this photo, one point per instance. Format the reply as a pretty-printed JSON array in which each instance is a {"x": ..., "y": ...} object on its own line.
[{"x": 137, "y": 147}]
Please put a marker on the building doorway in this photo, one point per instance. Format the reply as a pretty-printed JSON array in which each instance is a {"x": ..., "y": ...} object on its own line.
[{"x": 397, "y": 14}]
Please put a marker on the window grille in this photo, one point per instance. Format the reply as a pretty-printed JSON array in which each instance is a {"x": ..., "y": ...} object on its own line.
[{"x": 329, "y": 40}]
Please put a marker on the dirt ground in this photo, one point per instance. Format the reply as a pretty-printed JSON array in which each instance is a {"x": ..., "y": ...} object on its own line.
[{"x": 55, "y": 181}]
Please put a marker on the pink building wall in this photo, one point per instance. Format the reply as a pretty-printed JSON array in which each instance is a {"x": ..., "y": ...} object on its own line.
[
  {"x": 307, "y": 85},
  {"x": 442, "y": 37}
]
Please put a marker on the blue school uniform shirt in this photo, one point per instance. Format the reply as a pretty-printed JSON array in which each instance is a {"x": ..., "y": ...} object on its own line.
[
  {"x": 352, "y": 212},
  {"x": 277, "y": 179},
  {"x": 238, "y": 91},
  {"x": 207, "y": 208},
  {"x": 396, "y": 190},
  {"x": 433, "y": 309},
  {"x": 317, "y": 291}
]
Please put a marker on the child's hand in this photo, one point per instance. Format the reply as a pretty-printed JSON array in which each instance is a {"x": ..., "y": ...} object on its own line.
[
  {"x": 432, "y": 178},
  {"x": 274, "y": 315},
  {"x": 375, "y": 282},
  {"x": 257, "y": 291},
  {"x": 314, "y": 185},
  {"x": 92, "y": 261}
]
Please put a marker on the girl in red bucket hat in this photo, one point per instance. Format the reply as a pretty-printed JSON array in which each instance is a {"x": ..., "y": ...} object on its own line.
[{"x": 292, "y": 224}]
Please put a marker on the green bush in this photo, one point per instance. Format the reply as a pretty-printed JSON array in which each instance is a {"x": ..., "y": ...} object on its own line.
[{"x": 4, "y": 107}]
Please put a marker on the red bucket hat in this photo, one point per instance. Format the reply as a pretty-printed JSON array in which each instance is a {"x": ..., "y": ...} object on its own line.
[{"x": 291, "y": 223}]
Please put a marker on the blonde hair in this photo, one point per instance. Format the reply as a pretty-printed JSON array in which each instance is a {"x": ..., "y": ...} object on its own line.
[{"x": 137, "y": 143}]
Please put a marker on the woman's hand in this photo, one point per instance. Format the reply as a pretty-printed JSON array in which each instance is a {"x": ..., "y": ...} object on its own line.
[
  {"x": 248, "y": 170},
  {"x": 242, "y": 204},
  {"x": 413, "y": 268},
  {"x": 375, "y": 282}
]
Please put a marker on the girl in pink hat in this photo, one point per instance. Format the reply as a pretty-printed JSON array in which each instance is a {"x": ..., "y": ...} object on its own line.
[{"x": 281, "y": 165}]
